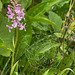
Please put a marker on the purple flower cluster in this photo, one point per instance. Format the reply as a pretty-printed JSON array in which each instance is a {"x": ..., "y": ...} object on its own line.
[{"x": 16, "y": 15}]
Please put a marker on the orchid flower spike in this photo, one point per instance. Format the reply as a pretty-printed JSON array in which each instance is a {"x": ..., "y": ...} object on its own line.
[{"x": 15, "y": 14}]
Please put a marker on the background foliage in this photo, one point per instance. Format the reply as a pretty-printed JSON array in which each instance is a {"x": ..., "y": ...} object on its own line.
[{"x": 43, "y": 49}]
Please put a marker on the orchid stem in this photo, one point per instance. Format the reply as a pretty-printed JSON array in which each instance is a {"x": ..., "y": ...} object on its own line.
[{"x": 12, "y": 62}]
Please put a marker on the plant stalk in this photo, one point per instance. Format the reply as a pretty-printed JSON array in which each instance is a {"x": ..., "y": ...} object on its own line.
[{"x": 12, "y": 62}]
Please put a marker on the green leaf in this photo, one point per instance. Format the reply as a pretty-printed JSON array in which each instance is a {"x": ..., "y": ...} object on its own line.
[
  {"x": 45, "y": 20},
  {"x": 0, "y": 5},
  {"x": 41, "y": 26},
  {"x": 46, "y": 73},
  {"x": 66, "y": 70},
  {"x": 39, "y": 48},
  {"x": 5, "y": 35},
  {"x": 25, "y": 3},
  {"x": 55, "y": 19},
  {"x": 41, "y": 8},
  {"x": 4, "y": 51},
  {"x": 48, "y": 47}
]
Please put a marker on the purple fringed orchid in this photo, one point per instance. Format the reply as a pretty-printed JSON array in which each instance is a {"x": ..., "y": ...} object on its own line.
[{"x": 16, "y": 15}]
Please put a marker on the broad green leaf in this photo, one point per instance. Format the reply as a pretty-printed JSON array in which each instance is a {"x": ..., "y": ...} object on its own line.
[
  {"x": 37, "y": 49},
  {"x": 41, "y": 8},
  {"x": 25, "y": 3},
  {"x": 48, "y": 47},
  {"x": 5, "y": 35},
  {"x": 4, "y": 51},
  {"x": 55, "y": 19},
  {"x": 59, "y": 11},
  {"x": 66, "y": 70},
  {"x": 0, "y": 5},
  {"x": 41, "y": 26},
  {"x": 46, "y": 73},
  {"x": 45, "y": 20}
]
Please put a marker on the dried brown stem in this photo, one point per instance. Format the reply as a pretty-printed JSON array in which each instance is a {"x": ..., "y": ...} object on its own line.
[
  {"x": 63, "y": 58},
  {"x": 67, "y": 15},
  {"x": 59, "y": 46}
]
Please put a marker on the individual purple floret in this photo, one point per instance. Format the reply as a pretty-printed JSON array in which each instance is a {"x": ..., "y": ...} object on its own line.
[{"x": 15, "y": 14}]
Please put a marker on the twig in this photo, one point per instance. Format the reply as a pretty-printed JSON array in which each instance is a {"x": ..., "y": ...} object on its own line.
[
  {"x": 55, "y": 56},
  {"x": 64, "y": 57},
  {"x": 59, "y": 46},
  {"x": 67, "y": 15},
  {"x": 70, "y": 8}
]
